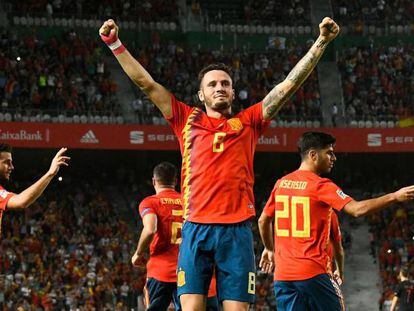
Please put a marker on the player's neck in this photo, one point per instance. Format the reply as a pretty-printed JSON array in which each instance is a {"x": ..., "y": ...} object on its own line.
[
  {"x": 159, "y": 189},
  {"x": 218, "y": 114},
  {"x": 306, "y": 167}
]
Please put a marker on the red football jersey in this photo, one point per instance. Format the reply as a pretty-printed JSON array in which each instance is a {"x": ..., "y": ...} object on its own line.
[
  {"x": 301, "y": 203},
  {"x": 217, "y": 162},
  {"x": 162, "y": 264},
  {"x": 4, "y": 199},
  {"x": 335, "y": 236}
]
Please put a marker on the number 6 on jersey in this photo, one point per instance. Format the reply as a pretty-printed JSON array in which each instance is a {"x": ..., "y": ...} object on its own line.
[{"x": 218, "y": 142}]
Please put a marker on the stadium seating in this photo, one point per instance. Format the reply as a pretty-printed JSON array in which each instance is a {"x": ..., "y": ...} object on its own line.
[
  {"x": 377, "y": 84},
  {"x": 372, "y": 17},
  {"x": 256, "y": 15},
  {"x": 73, "y": 80}
]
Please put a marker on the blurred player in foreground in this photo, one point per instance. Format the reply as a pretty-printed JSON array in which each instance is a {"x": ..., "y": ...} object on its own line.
[
  {"x": 9, "y": 200},
  {"x": 162, "y": 217},
  {"x": 404, "y": 292},
  {"x": 301, "y": 205},
  {"x": 217, "y": 150}
]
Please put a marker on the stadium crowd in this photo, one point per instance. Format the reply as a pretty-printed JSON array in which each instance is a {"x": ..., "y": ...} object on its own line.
[
  {"x": 146, "y": 11},
  {"x": 392, "y": 230},
  {"x": 262, "y": 12},
  {"x": 359, "y": 13},
  {"x": 66, "y": 74},
  {"x": 377, "y": 82},
  {"x": 392, "y": 234},
  {"x": 71, "y": 250}
]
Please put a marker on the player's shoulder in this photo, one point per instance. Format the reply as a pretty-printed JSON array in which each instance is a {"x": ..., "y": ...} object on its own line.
[
  {"x": 181, "y": 104},
  {"x": 325, "y": 180},
  {"x": 149, "y": 200},
  {"x": 3, "y": 192},
  {"x": 248, "y": 115}
]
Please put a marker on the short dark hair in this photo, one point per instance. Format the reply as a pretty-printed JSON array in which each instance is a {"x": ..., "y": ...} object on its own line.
[
  {"x": 165, "y": 173},
  {"x": 5, "y": 148},
  {"x": 215, "y": 66},
  {"x": 314, "y": 140},
  {"x": 405, "y": 271}
]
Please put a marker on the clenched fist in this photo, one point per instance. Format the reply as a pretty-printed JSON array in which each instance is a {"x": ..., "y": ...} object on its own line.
[{"x": 328, "y": 29}]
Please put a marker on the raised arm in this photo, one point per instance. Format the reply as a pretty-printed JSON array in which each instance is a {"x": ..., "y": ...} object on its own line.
[
  {"x": 365, "y": 207},
  {"x": 158, "y": 94},
  {"x": 29, "y": 195},
  {"x": 278, "y": 96}
]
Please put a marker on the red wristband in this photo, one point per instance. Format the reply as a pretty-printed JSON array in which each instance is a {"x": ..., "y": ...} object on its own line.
[{"x": 117, "y": 47}]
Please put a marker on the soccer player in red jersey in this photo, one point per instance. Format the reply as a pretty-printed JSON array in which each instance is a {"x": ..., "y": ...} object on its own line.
[
  {"x": 301, "y": 205},
  {"x": 9, "y": 200},
  {"x": 162, "y": 216},
  {"x": 217, "y": 150}
]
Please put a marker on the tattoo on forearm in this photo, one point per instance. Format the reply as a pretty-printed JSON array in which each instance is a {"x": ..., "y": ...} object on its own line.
[
  {"x": 305, "y": 66},
  {"x": 277, "y": 97},
  {"x": 302, "y": 69},
  {"x": 321, "y": 43},
  {"x": 274, "y": 101}
]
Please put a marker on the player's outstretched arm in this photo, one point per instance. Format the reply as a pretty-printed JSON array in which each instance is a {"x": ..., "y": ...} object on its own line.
[
  {"x": 278, "y": 96},
  {"x": 365, "y": 207},
  {"x": 29, "y": 195},
  {"x": 159, "y": 95},
  {"x": 145, "y": 239}
]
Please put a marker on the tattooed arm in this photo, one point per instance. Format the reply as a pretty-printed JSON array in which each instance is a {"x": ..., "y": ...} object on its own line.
[{"x": 278, "y": 96}]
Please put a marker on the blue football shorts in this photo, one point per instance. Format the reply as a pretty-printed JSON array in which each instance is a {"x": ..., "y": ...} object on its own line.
[
  {"x": 320, "y": 293},
  {"x": 227, "y": 248}
]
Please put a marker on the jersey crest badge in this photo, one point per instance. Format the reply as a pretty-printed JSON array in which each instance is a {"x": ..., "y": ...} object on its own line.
[
  {"x": 235, "y": 124},
  {"x": 181, "y": 278}
]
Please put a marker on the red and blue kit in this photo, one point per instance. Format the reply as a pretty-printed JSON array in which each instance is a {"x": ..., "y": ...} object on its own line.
[
  {"x": 167, "y": 206},
  {"x": 302, "y": 204},
  {"x": 217, "y": 162}
]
